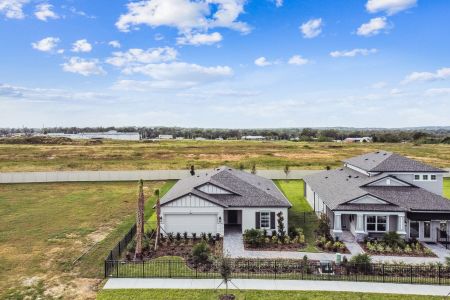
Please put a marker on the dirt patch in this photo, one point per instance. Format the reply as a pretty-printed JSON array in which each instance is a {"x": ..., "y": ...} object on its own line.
[{"x": 100, "y": 234}]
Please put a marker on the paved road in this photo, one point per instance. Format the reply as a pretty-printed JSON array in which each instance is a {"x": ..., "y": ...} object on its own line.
[{"x": 294, "y": 285}]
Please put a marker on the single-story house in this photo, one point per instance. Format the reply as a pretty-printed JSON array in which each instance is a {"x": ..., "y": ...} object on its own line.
[
  {"x": 224, "y": 197},
  {"x": 379, "y": 192}
]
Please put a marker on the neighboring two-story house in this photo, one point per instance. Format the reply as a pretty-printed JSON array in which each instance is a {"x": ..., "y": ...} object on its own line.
[{"x": 379, "y": 192}]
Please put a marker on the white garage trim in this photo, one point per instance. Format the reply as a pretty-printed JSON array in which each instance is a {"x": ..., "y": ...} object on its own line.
[{"x": 191, "y": 222}]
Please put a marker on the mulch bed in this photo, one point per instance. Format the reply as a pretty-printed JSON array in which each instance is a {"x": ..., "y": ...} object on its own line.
[
  {"x": 182, "y": 248},
  {"x": 364, "y": 247},
  {"x": 275, "y": 247}
]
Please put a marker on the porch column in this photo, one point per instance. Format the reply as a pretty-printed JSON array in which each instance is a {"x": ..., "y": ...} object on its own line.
[
  {"x": 360, "y": 223},
  {"x": 401, "y": 224},
  {"x": 337, "y": 222}
]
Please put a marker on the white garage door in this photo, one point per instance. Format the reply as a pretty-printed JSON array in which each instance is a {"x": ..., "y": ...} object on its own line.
[{"x": 191, "y": 223}]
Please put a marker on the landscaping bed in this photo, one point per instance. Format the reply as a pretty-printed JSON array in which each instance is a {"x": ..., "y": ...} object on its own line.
[
  {"x": 409, "y": 248},
  {"x": 175, "y": 245}
]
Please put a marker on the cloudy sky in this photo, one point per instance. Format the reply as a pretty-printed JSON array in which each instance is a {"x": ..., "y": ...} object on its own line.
[{"x": 225, "y": 63}]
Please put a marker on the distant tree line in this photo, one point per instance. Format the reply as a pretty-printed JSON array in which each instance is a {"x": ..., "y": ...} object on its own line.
[{"x": 417, "y": 135}]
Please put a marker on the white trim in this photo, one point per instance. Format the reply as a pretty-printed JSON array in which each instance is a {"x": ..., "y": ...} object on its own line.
[
  {"x": 356, "y": 169},
  {"x": 368, "y": 199},
  {"x": 421, "y": 175},
  {"x": 376, "y": 223},
  {"x": 260, "y": 219}
]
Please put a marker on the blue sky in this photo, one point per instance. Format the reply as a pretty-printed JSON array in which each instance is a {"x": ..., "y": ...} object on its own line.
[{"x": 225, "y": 63}]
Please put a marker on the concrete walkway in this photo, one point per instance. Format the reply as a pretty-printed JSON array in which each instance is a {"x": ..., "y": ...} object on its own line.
[
  {"x": 233, "y": 246},
  {"x": 291, "y": 285}
]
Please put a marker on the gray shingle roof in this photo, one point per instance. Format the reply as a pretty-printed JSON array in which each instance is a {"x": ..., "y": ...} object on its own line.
[
  {"x": 248, "y": 190},
  {"x": 337, "y": 187},
  {"x": 382, "y": 161}
]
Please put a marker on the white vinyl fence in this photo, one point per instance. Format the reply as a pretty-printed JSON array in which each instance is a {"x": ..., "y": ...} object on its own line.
[{"x": 67, "y": 176}]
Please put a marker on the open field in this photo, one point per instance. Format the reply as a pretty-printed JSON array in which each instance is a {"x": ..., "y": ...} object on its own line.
[
  {"x": 247, "y": 295},
  {"x": 116, "y": 155},
  {"x": 45, "y": 227}
]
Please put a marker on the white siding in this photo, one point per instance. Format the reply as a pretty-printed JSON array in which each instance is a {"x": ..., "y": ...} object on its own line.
[
  {"x": 368, "y": 200},
  {"x": 249, "y": 216},
  {"x": 212, "y": 189},
  {"x": 190, "y": 201},
  {"x": 388, "y": 182}
]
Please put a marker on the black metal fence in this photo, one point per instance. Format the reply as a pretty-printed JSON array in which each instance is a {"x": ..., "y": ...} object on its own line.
[
  {"x": 116, "y": 252},
  {"x": 281, "y": 269}
]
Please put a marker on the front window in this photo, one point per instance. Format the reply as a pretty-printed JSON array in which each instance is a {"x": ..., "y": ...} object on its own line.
[
  {"x": 265, "y": 220},
  {"x": 433, "y": 177},
  {"x": 376, "y": 223},
  {"x": 424, "y": 177},
  {"x": 417, "y": 177},
  {"x": 443, "y": 229}
]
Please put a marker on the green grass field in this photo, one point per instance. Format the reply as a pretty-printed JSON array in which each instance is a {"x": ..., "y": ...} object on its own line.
[
  {"x": 45, "y": 227},
  {"x": 121, "y": 155},
  {"x": 447, "y": 187},
  {"x": 294, "y": 191},
  {"x": 161, "y": 294}
]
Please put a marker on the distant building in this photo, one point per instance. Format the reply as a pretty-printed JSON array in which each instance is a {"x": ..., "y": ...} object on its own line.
[
  {"x": 111, "y": 135},
  {"x": 253, "y": 137},
  {"x": 165, "y": 137},
  {"x": 364, "y": 139},
  {"x": 200, "y": 139}
]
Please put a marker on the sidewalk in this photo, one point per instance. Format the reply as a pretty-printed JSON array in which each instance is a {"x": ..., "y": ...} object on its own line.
[{"x": 292, "y": 285}]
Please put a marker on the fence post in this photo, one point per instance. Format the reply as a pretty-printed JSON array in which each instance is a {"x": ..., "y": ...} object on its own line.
[
  {"x": 275, "y": 269},
  {"x": 411, "y": 274},
  {"x": 143, "y": 267},
  {"x": 196, "y": 270},
  {"x": 105, "y": 268},
  {"x": 382, "y": 266},
  {"x": 170, "y": 269},
  {"x": 439, "y": 274},
  {"x": 117, "y": 269},
  {"x": 248, "y": 269}
]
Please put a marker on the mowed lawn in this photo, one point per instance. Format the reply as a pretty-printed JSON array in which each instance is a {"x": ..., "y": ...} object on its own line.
[
  {"x": 123, "y": 155},
  {"x": 447, "y": 187},
  {"x": 45, "y": 227},
  {"x": 161, "y": 294},
  {"x": 294, "y": 191}
]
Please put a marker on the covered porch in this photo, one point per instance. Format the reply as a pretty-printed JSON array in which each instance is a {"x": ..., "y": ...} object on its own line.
[{"x": 366, "y": 224}]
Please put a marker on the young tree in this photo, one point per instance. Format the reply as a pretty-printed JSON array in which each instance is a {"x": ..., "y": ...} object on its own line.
[
  {"x": 192, "y": 170},
  {"x": 140, "y": 222},
  {"x": 225, "y": 271},
  {"x": 254, "y": 169},
  {"x": 281, "y": 230},
  {"x": 286, "y": 171},
  {"x": 158, "y": 218}
]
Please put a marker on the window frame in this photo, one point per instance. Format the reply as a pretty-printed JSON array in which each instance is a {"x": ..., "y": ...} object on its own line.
[
  {"x": 425, "y": 177},
  {"x": 261, "y": 214},
  {"x": 376, "y": 223}
]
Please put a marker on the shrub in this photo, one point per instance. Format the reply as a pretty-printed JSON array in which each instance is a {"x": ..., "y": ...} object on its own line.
[
  {"x": 361, "y": 259},
  {"x": 132, "y": 246},
  {"x": 274, "y": 232},
  {"x": 201, "y": 252},
  {"x": 170, "y": 236},
  {"x": 194, "y": 236},
  {"x": 408, "y": 249},
  {"x": 178, "y": 237},
  {"x": 209, "y": 235},
  {"x": 265, "y": 233},
  {"x": 323, "y": 227},
  {"x": 217, "y": 236},
  {"x": 329, "y": 245},
  {"x": 281, "y": 231},
  {"x": 203, "y": 236},
  {"x": 274, "y": 239},
  {"x": 185, "y": 235},
  {"x": 253, "y": 237},
  {"x": 146, "y": 244},
  {"x": 393, "y": 239}
]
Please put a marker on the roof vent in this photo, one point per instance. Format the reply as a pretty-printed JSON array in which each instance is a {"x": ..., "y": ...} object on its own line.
[
  {"x": 341, "y": 169},
  {"x": 229, "y": 169},
  {"x": 356, "y": 176},
  {"x": 326, "y": 177},
  {"x": 349, "y": 176},
  {"x": 384, "y": 153},
  {"x": 268, "y": 189},
  {"x": 377, "y": 152},
  {"x": 366, "y": 159}
]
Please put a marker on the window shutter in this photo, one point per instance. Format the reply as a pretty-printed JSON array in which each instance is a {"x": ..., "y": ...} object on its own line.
[
  {"x": 257, "y": 220},
  {"x": 272, "y": 220}
]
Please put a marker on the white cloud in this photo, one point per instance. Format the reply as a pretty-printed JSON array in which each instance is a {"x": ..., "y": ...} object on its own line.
[
  {"x": 85, "y": 67},
  {"x": 185, "y": 15},
  {"x": 199, "y": 39},
  {"x": 391, "y": 7},
  {"x": 379, "y": 85},
  {"x": 158, "y": 37},
  {"x": 440, "y": 74},
  {"x": 81, "y": 46},
  {"x": 134, "y": 57},
  {"x": 312, "y": 28},
  {"x": 262, "y": 62},
  {"x": 13, "y": 9},
  {"x": 44, "y": 11},
  {"x": 353, "y": 53},
  {"x": 46, "y": 45},
  {"x": 278, "y": 3},
  {"x": 373, "y": 27},
  {"x": 298, "y": 60},
  {"x": 80, "y": 13},
  {"x": 114, "y": 44},
  {"x": 174, "y": 75},
  {"x": 437, "y": 92}
]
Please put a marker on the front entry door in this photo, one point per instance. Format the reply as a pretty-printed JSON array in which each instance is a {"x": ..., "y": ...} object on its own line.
[{"x": 232, "y": 216}]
